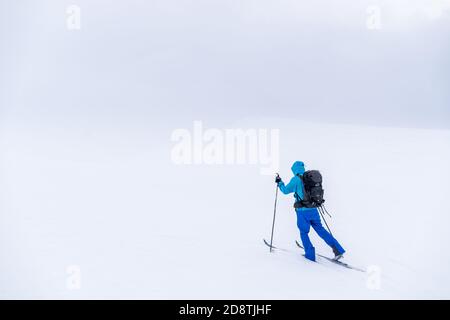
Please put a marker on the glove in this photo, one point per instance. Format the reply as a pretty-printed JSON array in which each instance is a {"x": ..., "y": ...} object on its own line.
[{"x": 277, "y": 179}]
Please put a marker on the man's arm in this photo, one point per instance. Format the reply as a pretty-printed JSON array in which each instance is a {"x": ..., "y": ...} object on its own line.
[{"x": 289, "y": 188}]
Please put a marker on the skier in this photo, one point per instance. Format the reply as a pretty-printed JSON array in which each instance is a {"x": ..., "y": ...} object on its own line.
[{"x": 307, "y": 217}]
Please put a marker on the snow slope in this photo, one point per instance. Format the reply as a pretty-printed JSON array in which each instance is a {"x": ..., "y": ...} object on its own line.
[{"x": 111, "y": 202}]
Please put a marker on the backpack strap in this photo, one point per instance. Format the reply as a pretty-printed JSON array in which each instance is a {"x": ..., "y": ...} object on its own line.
[{"x": 303, "y": 189}]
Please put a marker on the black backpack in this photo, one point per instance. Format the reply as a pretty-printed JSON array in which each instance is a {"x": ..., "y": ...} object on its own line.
[{"x": 312, "y": 190}]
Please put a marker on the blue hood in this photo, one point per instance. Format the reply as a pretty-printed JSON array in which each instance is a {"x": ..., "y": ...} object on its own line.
[{"x": 298, "y": 167}]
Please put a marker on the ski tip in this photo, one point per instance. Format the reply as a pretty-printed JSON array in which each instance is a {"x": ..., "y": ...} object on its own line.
[{"x": 270, "y": 246}]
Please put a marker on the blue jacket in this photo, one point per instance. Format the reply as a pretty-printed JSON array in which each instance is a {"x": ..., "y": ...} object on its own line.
[{"x": 295, "y": 185}]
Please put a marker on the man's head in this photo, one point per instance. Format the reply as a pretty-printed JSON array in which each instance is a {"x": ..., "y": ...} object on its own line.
[{"x": 298, "y": 167}]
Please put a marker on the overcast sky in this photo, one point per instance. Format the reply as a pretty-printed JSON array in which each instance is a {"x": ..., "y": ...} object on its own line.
[{"x": 371, "y": 62}]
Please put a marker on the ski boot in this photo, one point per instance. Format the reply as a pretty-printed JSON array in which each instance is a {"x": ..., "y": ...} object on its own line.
[{"x": 337, "y": 254}]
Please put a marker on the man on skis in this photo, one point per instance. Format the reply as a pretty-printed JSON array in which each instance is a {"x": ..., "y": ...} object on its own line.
[{"x": 307, "y": 217}]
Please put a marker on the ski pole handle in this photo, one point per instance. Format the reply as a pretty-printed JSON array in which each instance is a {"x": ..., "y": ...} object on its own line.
[{"x": 277, "y": 178}]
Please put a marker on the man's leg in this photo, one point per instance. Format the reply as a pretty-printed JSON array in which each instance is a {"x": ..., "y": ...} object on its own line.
[
  {"x": 304, "y": 226},
  {"x": 325, "y": 235}
]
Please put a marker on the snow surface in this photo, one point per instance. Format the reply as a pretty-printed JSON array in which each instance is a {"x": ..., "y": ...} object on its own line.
[
  {"x": 86, "y": 116},
  {"x": 111, "y": 202}
]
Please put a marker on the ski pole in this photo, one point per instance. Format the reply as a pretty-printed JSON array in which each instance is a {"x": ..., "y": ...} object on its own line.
[
  {"x": 274, "y": 214},
  {"x": 323, "y": 217}
]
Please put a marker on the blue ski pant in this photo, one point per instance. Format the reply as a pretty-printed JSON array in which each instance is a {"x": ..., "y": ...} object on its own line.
[{"x": 307, "y": 218}]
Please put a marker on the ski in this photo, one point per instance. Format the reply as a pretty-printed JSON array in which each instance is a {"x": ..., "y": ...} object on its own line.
[
  {"x": 268, "y": 244},
  {"x": 273, "y": 247},
  {"x": 343, "y": 264}
]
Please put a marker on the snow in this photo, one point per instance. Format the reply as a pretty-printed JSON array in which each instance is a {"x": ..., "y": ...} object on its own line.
[
  {"x": 93, "y": 206},
  {"x": 138, "y": 226}
]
